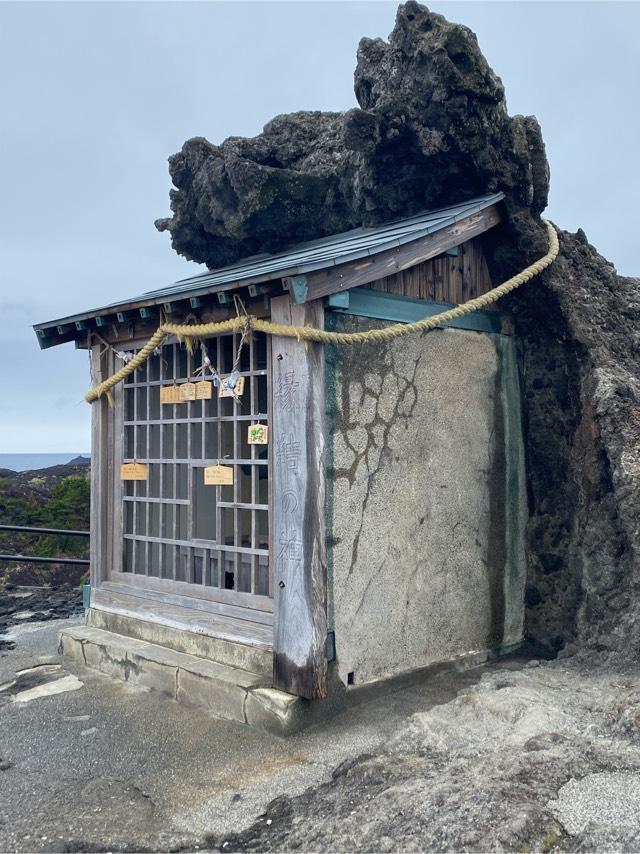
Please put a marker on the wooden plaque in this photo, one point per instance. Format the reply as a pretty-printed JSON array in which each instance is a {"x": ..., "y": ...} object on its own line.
[
  {"x": 238, "y": 391},
  {"x": 218, "y": 475},
  {"x": 133, "y": 471},
  {"x": 258, "y": 434},
  {"x": 204, "y": 390},
  {"x": 187, "y": 391},
  {"x": 170, "y": 394}
]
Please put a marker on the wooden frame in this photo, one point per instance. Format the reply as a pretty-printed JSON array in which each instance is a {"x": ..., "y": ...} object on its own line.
[
  {"x": 243, "y": 617},
  {"x": 299, "y": 512},
  {"x": 399, "y": 309}
]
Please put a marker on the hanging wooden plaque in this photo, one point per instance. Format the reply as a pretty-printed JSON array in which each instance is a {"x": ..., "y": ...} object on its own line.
[
  {"x": 258, "y": 434},
  {"x": 204, "y": 390},
  {"x": 218, "y": 475},
  {"x": 133, "y": 471},
  {"x": 170, "y": 394},
  {"x": 238, "y": 389},
  {"x": 187, "y": 392}
]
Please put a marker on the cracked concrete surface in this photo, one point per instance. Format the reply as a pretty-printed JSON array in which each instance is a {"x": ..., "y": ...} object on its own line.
[{"x": 418, "y": 535}]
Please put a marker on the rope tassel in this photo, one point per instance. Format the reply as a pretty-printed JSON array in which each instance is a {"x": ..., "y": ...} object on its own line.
[{"x": 247, "y": 323}]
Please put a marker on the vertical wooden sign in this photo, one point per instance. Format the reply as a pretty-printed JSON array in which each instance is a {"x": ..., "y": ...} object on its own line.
[
  {"x": 187, "y": 392},
  {"x": 299, "y": 512},
  {"x": 170, "y": 394},
  {"x": 204, "y": 390},
  {"x": 218, "y": 475}
]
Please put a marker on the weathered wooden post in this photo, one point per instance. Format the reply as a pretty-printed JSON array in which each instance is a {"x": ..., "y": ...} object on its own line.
[{"x": 298, "y": 499}]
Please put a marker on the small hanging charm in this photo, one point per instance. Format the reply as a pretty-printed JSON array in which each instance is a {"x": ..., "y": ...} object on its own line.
[
  {"x": 187, "y": 392},
  {"x": 231, "y": 386},
  {"x": 170, "y": 394},
  {"x": 218, "y": 475},
  {"x": 258, "y": 434}
]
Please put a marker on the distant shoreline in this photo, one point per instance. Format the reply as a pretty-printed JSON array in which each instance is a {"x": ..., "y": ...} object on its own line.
[{"x": 28, "y": 462}]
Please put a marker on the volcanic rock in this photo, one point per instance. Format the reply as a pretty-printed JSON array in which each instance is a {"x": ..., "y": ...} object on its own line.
[
  {"x": 431, "y": 129},
  {"x": 579, "y": 330}
]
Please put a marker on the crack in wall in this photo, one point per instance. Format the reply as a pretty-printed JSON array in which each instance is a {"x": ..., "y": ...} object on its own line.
[{"x": 384, "y": 366}]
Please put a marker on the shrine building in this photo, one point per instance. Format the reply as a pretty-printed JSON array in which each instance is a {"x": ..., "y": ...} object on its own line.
[{"x": 274, "y": 521}]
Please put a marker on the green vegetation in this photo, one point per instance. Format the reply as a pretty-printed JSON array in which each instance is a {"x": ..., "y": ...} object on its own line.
[{"x": 64, "y": 505}]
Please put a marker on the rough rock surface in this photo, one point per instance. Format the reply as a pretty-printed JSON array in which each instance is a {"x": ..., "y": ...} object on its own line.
[
  {"x": 21, "y": 605},
  {"x": 580, "y": 340},
  {"x": 489, "y": 771},
  {"x": 431, "y": 129}
]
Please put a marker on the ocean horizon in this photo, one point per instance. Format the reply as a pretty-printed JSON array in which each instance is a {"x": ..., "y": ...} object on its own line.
[{"x": 27, "y": 462}]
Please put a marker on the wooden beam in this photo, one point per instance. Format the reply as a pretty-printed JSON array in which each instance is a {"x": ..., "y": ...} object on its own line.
[
  {"x": 383, "y": 306},
  {"x": 298, "y": 505},
  {"x": 363, "y": 271}
]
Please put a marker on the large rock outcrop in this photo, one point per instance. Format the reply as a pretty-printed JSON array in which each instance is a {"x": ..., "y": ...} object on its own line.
[
  {"x": 579, "y": 325},
  {"x": 431, "y": 128}
]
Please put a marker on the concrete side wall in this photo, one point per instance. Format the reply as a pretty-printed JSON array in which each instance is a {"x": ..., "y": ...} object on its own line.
[{"x": 427, "y": 504}]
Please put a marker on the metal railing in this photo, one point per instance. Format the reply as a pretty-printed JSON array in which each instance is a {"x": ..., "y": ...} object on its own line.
[{"x": 44, "y": 532}]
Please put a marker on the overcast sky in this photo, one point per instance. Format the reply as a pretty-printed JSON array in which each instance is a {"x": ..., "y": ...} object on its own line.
[{"x": 95, "y": 96}]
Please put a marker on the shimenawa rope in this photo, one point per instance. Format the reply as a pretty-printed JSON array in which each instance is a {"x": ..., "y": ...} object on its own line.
[{"x": 243, "y": 323}]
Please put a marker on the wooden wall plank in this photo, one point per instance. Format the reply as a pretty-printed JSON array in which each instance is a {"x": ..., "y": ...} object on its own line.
[
  {"x": 447, "y": 278},
  {"x": 298, "y": 505},
  {"x": 321, "y": 283}
]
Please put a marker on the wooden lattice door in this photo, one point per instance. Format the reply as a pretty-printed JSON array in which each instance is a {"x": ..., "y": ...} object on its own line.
[{"x": 179, "y": 535}]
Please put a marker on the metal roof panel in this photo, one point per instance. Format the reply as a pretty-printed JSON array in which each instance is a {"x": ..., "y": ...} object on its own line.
[{"x": 312, "y": 255}]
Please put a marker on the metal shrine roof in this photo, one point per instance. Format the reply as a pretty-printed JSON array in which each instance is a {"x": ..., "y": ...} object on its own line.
[{"x": 313, "y": 255}]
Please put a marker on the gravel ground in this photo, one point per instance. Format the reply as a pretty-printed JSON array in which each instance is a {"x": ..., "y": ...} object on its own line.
[
  {"x": 600, "y": 800},
  {"x": 514, "y": 756}
]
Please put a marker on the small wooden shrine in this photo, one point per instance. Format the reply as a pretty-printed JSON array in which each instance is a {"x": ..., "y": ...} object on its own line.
[{"x": 356, "y": 511}]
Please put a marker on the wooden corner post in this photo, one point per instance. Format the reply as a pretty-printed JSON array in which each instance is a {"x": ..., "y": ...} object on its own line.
[
  {"x": 100, "y": 483},
  {"x": 298, "y": 505}
]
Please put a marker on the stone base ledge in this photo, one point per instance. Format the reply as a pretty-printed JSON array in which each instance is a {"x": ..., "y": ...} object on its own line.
[{"x": 224, "y": 691}]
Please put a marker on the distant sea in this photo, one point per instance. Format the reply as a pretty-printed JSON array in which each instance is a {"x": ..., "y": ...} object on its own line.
[{"x": 26, "y": 462}]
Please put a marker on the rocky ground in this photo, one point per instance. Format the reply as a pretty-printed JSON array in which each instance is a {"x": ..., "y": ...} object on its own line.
[
  {"x": 54, "y": 497},
  {"x": 21, "y": 605},
  {"x": 516, "y": 756},
  {"x": 540, "y": 758}
]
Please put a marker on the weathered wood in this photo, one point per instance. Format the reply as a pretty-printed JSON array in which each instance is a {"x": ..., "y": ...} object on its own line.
[
  {"x": 241, "y": 606},
  {"x": 447, "y": 279},
  {"x": 321, "y": 283},
  {"x": 115, "y": 454},
  {"x": 141, "y": 607},
  {"x": 100, "y": 484},
  {"x": 299, "y": 513}
]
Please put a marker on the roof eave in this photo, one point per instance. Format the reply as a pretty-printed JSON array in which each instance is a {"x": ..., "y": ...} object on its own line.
[{"x": 71, "y": 327}]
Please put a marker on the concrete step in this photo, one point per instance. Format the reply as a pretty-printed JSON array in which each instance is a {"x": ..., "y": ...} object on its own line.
[
  {"x": 224, "y": 691},
  {"x": 182, "y": 629}
]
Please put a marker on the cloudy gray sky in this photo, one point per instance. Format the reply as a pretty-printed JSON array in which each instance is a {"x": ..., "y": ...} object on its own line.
[{"x": 95, "y": 96}]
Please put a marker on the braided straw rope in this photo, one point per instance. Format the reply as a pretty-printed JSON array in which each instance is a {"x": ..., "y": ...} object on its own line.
[{"x": 190, "y": 331}]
